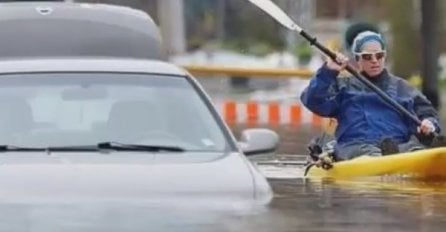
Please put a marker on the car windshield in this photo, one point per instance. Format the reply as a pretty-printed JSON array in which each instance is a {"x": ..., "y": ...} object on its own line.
[{"x": 68, "y": 109}]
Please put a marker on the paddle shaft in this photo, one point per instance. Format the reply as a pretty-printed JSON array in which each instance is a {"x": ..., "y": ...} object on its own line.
[{"x": 313, "y": 41}]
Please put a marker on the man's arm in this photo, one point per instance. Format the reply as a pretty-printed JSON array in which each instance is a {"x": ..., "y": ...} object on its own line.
[
  {"x": 425, "y": 110},
  {"x": 322, "y": 96}
]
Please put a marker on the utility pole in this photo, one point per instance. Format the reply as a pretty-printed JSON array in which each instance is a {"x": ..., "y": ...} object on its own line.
[
  {"x": 171, "y": 20},
  {"x": 430, "y": 68},
  {"x": 403, "y": 31},
  {"x": 221, "y": 15}
]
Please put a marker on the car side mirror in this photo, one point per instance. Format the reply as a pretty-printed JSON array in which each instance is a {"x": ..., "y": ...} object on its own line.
[{"x": 258, "y": 141}]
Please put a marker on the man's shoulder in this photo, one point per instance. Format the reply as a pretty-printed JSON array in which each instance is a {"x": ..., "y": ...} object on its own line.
[
  {"x": 404, "y": 87},
  {"x": 398, "y": 79},
  {"x": 401, "y": 82}
]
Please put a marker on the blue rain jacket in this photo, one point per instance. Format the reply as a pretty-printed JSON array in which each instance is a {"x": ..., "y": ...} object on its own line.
[{"x": 363, "y": 117}]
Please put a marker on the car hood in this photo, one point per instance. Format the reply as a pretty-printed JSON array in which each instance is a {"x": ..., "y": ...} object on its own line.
[{"x": 133, "y": 176}]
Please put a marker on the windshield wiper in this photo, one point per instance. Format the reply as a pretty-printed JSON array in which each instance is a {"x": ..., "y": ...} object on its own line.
[
  {"x": 6, "y": 148},
  {"x": 10, "y": 148},
  {"x": 137, "y": 147},
  {"x": 115, "y": 146}
]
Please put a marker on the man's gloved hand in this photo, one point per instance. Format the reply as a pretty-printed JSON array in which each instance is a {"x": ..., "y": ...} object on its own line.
[
  {"x": 426, "y": 128},
  {"x": 325, "y": 161},
  {"x": 340, "y": 64}
]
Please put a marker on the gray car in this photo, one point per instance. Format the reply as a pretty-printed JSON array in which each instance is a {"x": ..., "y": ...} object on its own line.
[
  {"x": 107, "y": 137},
  {"x": 120, "y": 129}
]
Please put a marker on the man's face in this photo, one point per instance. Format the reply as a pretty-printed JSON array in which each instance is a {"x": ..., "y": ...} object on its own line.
[{"x": 372, "y": 58}]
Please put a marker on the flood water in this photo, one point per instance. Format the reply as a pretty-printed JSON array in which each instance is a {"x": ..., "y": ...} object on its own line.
[
  {"x": 378, "y": 204},
  {"x": 356, "y": 206},
  {"x": 372, "y": 204}
]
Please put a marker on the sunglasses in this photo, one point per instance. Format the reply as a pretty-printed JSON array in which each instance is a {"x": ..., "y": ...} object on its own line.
[{"x": 369, "y": 55}]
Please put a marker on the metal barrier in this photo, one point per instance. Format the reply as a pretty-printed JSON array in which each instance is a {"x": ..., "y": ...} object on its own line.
[{"x": 210, "y": 71}]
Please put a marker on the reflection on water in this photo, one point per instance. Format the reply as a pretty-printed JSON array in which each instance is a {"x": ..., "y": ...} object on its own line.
[
  {"x": 360, "y": 206},
  {"x": 116, "y": 217}
]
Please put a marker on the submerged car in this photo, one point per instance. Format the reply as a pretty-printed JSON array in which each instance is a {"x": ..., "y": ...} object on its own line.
[
  {"x": 119, "y": 128},
  {"x": 93, "y": 136}
]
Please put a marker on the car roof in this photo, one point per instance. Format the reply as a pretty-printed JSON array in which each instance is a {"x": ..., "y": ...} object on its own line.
[
  {"x": 43, "y": 29},
  {"x": 90, "y": 65}
]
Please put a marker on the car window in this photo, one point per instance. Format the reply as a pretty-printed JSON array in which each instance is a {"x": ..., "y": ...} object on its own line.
[{"x": 62, "y": 109}]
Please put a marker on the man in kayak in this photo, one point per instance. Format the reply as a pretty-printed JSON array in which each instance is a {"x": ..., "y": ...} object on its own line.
[{"x": 364, "y": 119}]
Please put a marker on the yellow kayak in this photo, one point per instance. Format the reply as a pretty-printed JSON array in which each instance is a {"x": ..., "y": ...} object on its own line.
[{"x": 428, "y": 163}]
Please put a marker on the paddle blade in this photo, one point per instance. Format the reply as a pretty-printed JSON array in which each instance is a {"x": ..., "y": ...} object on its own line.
[{"x": 274, "y": 11}]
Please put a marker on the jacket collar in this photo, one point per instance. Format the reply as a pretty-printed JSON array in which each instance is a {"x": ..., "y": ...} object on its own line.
[{"x": 381, "y": 80}]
